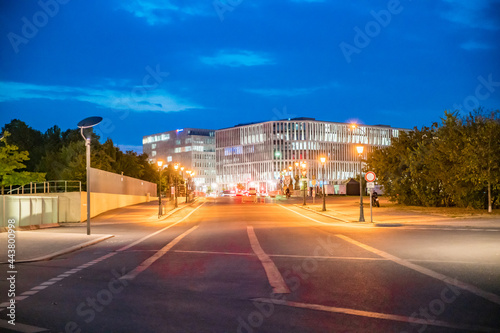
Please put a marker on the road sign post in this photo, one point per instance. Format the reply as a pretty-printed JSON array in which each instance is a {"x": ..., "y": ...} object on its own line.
[{"x": 370, "y": 178}]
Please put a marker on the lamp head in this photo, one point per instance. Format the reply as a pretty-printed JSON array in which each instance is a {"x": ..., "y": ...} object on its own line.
[
  {"x": 297, "y": 164},
  {"x": 182, "y": 168},
  {"x": 322, "y": 159},
  {"x": 176, "y": 166},
  {"x": 360, "y": 149},
  {"x": 160, "y": 163}
]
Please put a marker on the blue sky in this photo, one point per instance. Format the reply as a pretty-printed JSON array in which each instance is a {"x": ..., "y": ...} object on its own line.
[{"x": 152, "y": 66}]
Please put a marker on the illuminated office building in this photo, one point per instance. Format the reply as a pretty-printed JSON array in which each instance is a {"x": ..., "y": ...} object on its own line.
[
  {"x": 259, "y": 152},
  {"x": 193, "y": 148}
]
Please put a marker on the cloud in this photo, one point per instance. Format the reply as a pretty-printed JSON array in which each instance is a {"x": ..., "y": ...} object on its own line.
[
  {"x": 472, "y": 13},
  {"x": 290, "y": 92},
  {"x": 163, "y": 12},
  {"x": 237, "y": 59},
  {"x": 137, "y": 99},
  {"x": 473, "y": 45}
]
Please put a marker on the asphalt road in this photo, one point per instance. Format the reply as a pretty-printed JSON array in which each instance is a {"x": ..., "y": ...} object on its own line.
[{"x": 233, "y": 266}]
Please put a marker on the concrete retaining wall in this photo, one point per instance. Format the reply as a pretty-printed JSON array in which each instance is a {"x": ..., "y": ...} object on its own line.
[{"x": 102, "y": 202}]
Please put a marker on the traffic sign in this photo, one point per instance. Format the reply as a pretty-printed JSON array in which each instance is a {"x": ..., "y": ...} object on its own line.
[
  {"x": 370, "y": 185},
  {"x": 370, "y": 176}
]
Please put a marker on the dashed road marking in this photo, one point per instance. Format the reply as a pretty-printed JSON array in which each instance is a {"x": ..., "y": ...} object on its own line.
[{"x": 70, "y": 272}]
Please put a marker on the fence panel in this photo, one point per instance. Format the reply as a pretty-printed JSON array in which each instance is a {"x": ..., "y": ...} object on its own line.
[{"x": 28, "y": 210}]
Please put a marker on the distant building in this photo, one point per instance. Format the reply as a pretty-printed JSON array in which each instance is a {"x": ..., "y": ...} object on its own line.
[
  {"x": 257, "y": 153},
  {"x": 193, "y": 148}
]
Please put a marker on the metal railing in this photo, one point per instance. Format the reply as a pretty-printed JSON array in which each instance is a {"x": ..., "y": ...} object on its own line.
[{"x": 52, "y": 186}]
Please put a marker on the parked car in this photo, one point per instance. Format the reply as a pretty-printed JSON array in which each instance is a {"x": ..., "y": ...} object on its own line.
[{"x": 252, "y": 191}]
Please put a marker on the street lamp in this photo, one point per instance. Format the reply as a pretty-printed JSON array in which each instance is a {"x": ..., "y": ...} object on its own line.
[
  {"x": 297, "y": 170},
  {"x": 176, "y": 167},
  {"x": 185, "y": 187},
  {"x": 160, "y": 212},
  {"x": 323, "y": 162},
  {"x": 88, "y": 123},
  {"x": 361, "y": 214},
  {"x": 188, "y": 179},
  {"x": 304, "y": 172}
]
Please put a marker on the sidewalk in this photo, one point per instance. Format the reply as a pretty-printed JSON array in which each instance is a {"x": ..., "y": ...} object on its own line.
[
  {"x": 346, "y": 209},
  {"x": 48, "y": 243}
]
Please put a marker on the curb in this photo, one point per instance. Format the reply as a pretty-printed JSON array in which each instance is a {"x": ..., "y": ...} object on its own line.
[
  {"x": 398, "y": 224},
  {"x": 65, "y": 251},
  {"x": 322, "y": 214},
  {"x": 175, "y": 210}
]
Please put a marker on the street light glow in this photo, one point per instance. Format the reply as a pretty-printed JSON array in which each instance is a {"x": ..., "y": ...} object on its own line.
[
  {"x": 360, "y": 149},
  {"x": 160, "y": 163},
  {"x": 322, "y": 159}
]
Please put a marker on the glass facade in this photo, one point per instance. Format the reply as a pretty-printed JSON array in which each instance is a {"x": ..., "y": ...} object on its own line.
[
  {"x": 193, "y": 148},
  {"x": 259, "y": 152}
]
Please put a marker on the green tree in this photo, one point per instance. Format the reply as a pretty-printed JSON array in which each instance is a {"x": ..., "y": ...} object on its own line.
[
  {"x": 11, "y": 161},
  {"x": 26, "y": 139},
  {"x": 452, "y": 164}
]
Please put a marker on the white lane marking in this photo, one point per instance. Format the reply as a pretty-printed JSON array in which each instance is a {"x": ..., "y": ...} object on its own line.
[
  {"x": 279, "y": 255},
  {"x": 23, "y": 328},
  {"x": 29, "y": 293},
  {"x": 348, "y": 225},
  {"x": 272, "y": 272},
  {"x": 48, "y": 283},
  {"x": 148, "y": 262},
  {"x": 375, "y": 315},
  {"x": 157, "y": 232},
  {"x": 215, "y": 252},
  {"x": 66, "y": 274},
  {"x": 448, "y": 280},
  {"x": 39, "y": 287}
]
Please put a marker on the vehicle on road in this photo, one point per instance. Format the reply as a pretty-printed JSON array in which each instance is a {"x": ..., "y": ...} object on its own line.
[
  {"x": 228, "y": 193},
  {"x": 252, "y": 191}
]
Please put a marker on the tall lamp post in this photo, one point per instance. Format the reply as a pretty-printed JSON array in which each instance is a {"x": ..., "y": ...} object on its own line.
[
  {"x": 160, "y": 212},
  {"x": 361, "y": 213},
  {"x": 176, "y": 167},
  {"x": 188, "y": 172},
  {"x": 88, "y": 123},
  {"x": 304, "y": 172},
  {"x": 297, "y": 173},
  {"x": 185, "y": 187},
  {"x": 323, "y": 162}
]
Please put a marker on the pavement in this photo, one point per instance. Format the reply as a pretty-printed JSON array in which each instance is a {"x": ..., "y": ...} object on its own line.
[
  {"x": 46, "y": 244},
  {"x": 347, "y": 210}
]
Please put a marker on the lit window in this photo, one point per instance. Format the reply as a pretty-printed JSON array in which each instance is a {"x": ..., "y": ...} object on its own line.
[
  {"x": 169, "y": 158},
  {"x": 153, "y": 153}
]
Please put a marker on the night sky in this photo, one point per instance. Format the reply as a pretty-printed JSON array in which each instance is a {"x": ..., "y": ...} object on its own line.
[{"x": 152, "y": 66}]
